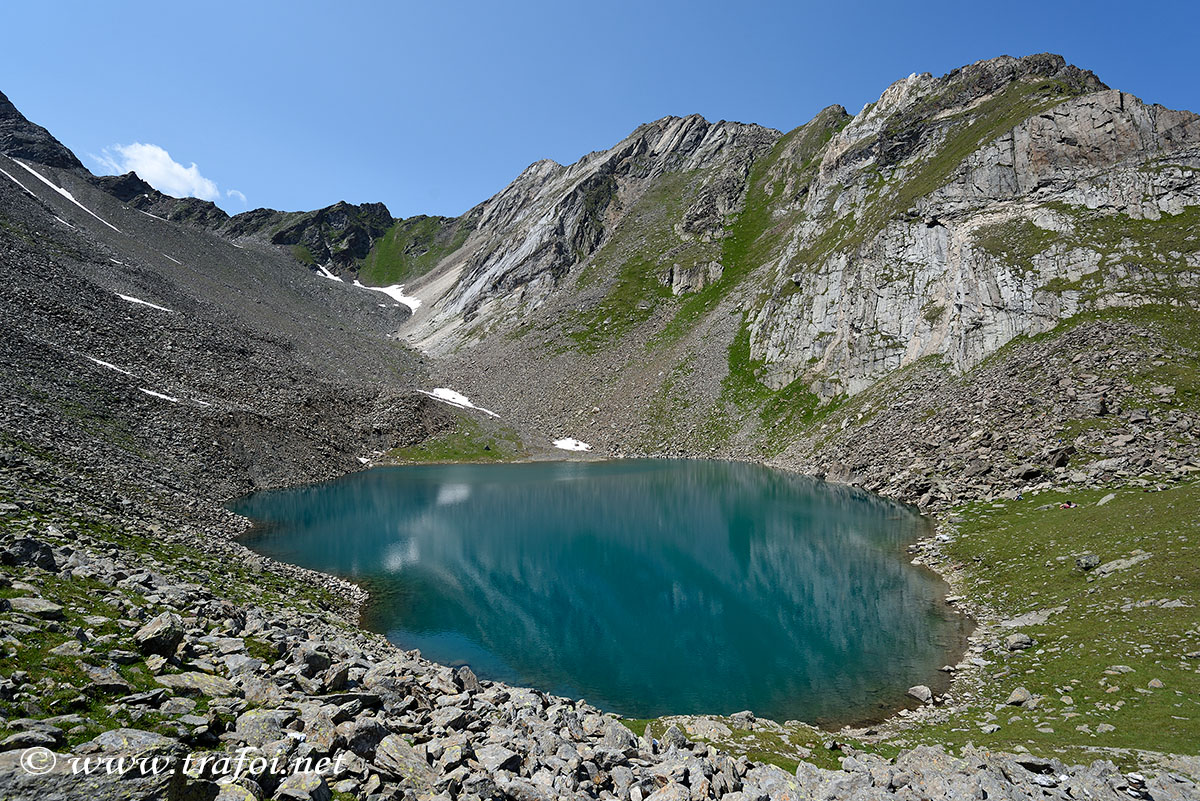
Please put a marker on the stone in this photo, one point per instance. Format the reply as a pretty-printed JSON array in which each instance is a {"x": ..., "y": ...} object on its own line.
[
  {"x": 1019, "y": 697},
  {"x": 30, "y": 738},
  {"x": 494, "y": 757},
  {"x": 449, "y": 718},
  {"x": 38, "y": 607},
  {"x": 466, "y": 679},
  {"x": 234, "y": 791},
  {"x": 28, "y": 551},
  {"x": 104, "y": 680},
  {"x": 921, "y": 693},
  {"x": 674, "y": 737},
  {"x": 363, "y": 736},
  {"x": 1088, "y": 561},
  {"x": 161, "y": 635},
  {"x": 396, "y": 758},
  {"x": 1116, "y": 565},
  {"x": 260, "y": 726},
  {"x": 197, "y": 684},
  {"x": 1018, "y": 641},
  {"x": 742, "y": 720},
  {"x": 312, "y": 659},
  {"x": 134, "y": 741},
  {"x": 618, "y": 736},
  {"x": 302, "y": 786},
  {"x": 334, "y": 679}
]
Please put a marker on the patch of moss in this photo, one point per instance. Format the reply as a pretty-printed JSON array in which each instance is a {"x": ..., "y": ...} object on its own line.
[
  {"x": 413, "y": 247},
  {"x": 302, "y": 254},
  {"x": 468, "y": 440},
  {"x": 1016, "y": 242},
  {"x": 639, "y": 253}
]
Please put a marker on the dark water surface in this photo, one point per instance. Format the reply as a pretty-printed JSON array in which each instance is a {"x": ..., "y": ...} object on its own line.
[{"x": 648, "y": 587}]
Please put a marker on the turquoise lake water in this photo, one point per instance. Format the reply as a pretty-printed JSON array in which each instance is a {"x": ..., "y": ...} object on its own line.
[{"x": 647, "y": 587}]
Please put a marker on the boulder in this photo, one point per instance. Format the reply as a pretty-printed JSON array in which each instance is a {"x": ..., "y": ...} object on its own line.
[
  {"x": 1018, "y": 641},
  {"x": 27, "y": 551},
  {"x": 308, "y": 786},
  {"x": 197, "y": 684},
  {"x": 38, "y": 607},
  {"x": 494, "y": 757},
  {"x": 396, "y": 758},
  {"x": 921, "y": 693},
  {"x": 161, "y": 635}
]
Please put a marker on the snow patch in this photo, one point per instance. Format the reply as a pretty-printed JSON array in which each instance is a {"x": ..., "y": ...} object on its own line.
[
  {"x": 64, "y": 222},
  {"x": 130, "y": 299},
  {"x": 148, "y": 214},
  {"x": 395, "y": 292},
  {"x": 363, "y": 460},
  {"x": 18, "y": 183},
  {"x": 177, "y": 261},
  {"x": 568, "y": 444},
  {"x": 326, "y": 274},
  {"x": 109, "y": 365},
  {"x": 64, "y": 193},
  {"x": 158, "y": 395},
  {"x": 447, "y": 395}
]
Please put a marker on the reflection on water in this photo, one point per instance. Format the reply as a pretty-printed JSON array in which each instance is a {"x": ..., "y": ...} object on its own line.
[{"x": 647, "y": 587}]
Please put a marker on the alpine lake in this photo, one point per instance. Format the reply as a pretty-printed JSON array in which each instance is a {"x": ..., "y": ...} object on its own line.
[{"x": 647, "y": 587}]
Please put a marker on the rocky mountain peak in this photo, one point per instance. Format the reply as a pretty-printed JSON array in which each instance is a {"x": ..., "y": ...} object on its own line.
[
  {"x": 22, "y": 139},
  {"x": 125, "y": 187}
]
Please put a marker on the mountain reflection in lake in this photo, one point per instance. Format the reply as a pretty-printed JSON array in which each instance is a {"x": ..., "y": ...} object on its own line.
[{"x": 648, "y": 587}]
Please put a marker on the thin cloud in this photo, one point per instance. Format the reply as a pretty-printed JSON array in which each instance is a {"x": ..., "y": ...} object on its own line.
[
  {"x": 237, "y": 194},
  {"x": 156, "y": 167}
]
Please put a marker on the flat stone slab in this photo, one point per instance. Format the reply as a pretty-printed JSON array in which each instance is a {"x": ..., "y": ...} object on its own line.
[
  {"x": 197, "y": 683},
  {"x": 38, "y": 607}
]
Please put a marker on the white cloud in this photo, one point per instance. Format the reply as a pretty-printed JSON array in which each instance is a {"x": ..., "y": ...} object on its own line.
[
  {"x": 237, "y": 194},
  {"x": 156, "y": 167}
]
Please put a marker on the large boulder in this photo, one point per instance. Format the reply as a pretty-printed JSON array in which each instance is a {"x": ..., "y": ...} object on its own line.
[
  {"x": 161, "y": 635},
  {"x": 396, "y": 758},
  {"x": 27, "y": 551}
]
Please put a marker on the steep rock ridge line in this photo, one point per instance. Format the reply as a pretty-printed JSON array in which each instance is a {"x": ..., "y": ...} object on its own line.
[
  {"x": 886, "y": 252},
  {"x": 744, "y": 291}
]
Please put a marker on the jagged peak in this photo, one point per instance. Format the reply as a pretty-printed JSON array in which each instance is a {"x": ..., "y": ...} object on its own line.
[
  {"x": 20, "y": 138},
  {"x": 963, "y": 85},
  {"x": 125, "y": 187}
]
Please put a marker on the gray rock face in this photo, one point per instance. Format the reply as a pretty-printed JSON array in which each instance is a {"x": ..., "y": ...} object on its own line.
[
  {"x": 532, "y": 234},
  {"x": 954, "y": 295},
  {"x": 949, "y": 217}
]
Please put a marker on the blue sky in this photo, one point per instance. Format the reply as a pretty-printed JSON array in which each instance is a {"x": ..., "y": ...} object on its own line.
[{"x": 433, "y": 107}]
